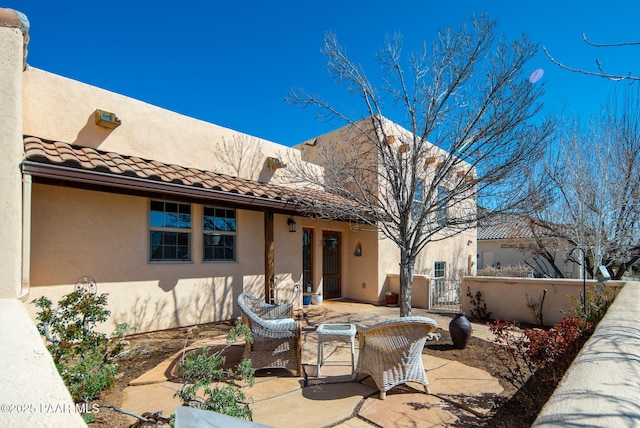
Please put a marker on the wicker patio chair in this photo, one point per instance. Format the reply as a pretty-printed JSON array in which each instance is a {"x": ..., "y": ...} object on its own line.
[
  {"x": 277, "y": 337},
  {"x": 391, "y": 350}
]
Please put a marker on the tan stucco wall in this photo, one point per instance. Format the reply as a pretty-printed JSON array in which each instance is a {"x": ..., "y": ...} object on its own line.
[
  {"x": 58, "y": 108},
  {"x": 355, "y": 270},
  {"x": 506, "y": 298},
  {"x": 11, "y": 62},
  {"x": 458, "y": 251},
  {"x": 103, "y": 235}
]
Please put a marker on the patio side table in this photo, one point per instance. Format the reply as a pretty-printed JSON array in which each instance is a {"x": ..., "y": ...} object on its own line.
[{"x": 336, "y": 333}]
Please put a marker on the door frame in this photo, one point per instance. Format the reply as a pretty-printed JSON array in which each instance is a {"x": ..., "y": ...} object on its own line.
[{"x": 325, "y": 235}]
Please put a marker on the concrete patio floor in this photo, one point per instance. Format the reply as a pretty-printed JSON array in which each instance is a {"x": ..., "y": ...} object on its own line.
[{"x": 280, "y": 399}]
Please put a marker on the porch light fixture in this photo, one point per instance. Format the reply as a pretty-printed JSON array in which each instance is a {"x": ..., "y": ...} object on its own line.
[
  {"x": 292, "y": 224},
  {"x": 358, "y": 251},
  {"x": 106, "y": 119}
]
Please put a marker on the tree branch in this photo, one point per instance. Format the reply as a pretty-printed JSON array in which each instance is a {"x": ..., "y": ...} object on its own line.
[{"x": 600, "y": 73}]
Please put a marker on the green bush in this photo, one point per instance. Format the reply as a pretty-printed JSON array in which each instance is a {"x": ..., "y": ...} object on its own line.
[
  {"x": 84, "y": 357},
  {"x": 204, "y": 372}
]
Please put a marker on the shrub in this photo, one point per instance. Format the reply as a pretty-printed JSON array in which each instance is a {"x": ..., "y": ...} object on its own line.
[
  {"x": 479, "y": 310},
  {"x": 533, "y": 359},
  {"x": 204, "y": 372},
  {"x": 84, "y": 357},
  {"x": 599, "y": 298}
]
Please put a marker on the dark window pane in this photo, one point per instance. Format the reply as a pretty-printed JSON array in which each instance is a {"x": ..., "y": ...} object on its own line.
[
  {"x": 183, "y": 239},
  {"x": 170, "y": 238},
  {"x": 169, "y": 253},
  {"x": 171, "y": 207},
  {"x": 208, "y": 253}
]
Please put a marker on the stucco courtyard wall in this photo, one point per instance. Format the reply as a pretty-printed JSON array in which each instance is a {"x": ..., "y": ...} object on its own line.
[
  {"x": 601, "y": 387},
  {"x": 11, "y": 64},
  {"x": 506, "y": 298}
]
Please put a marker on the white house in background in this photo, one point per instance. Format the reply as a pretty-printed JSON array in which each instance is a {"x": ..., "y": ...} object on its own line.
[{"x": 505, "y": 241}]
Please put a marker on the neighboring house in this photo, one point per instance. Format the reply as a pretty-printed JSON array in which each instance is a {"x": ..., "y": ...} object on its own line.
[
  {"x": 157, "y": 209},
  {"x": 507, "y": 242}
]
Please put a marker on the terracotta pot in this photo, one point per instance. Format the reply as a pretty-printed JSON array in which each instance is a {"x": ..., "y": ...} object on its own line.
[
  {"x": 460, "y": 330},
  {"x": 392, "y": 299}
]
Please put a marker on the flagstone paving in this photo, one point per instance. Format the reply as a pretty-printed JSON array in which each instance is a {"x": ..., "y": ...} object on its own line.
[{"x": 280, "y": 399}]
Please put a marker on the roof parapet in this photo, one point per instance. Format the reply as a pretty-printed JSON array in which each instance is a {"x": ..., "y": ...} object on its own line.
[{"x": 11, "y": 18}]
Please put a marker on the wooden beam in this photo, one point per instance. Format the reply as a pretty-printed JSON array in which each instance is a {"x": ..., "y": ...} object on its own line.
[{"x": 269, "y": 267}]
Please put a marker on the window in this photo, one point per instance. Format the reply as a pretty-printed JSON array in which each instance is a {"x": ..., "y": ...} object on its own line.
[
  {"x": 170, "y": 231},
  {"x": 219, "y": 228},
  {"x": 441, "y": 213},
  {"x": 418, "y": 199},
  {"x": 439, "y": 269}
]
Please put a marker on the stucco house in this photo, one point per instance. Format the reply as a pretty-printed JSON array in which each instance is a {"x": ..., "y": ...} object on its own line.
[
  {"x": 510, "y": 241},
  {"x": 156, "y": 207}
]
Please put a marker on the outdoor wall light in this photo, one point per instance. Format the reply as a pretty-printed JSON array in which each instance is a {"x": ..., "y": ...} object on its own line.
[
  {"x": 106, "y": 119},
  {"x": 358, "y": 251},
  {"x": 274, "y": 163},
  {"x": 292, "y": 224}
]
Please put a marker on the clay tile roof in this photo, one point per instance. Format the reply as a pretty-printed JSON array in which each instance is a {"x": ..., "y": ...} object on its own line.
[
  {"x": 505, "y": 226},
  {"x": 54, "y": 159}
]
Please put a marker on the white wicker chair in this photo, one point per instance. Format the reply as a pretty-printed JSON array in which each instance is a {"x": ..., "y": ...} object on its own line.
[
  {"x": 277, "y": 337},
  {"x": 391, "y": 350}
]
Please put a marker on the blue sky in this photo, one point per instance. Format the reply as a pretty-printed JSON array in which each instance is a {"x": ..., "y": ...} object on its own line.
[{"x": 233, "y": 62}]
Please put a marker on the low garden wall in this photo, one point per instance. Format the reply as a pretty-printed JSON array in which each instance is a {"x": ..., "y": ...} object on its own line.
[
  {"x": 506, "y": 298},
  {"x": 32, "y": 394},
  {"x": 601, "y": 388}
]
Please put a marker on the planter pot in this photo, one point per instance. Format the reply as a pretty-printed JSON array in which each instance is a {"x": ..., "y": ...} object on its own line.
[
  {"x": 306, "y": 299},
  {"x": 392, "y": 300},
  {"x": 460, "y": 330},
  {"x": 316, "y": 299}
]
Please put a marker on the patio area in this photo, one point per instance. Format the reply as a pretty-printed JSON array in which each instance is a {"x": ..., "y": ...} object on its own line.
[{"x": 281, "y": 399}]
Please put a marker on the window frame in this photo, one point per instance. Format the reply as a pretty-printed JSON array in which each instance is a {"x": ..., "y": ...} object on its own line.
[
  {"x": 437, "y": 269},
  {"x": 442, "y": 212},
  {"x": 418, "y": 198},
  {"x": 225, "y": 233},
  {"x": 170, "y": 229}
]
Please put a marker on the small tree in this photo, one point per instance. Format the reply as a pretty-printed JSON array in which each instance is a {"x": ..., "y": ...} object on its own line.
[
  {"x": 464, "y": 132},
  {"x": 85, "y": 358}
]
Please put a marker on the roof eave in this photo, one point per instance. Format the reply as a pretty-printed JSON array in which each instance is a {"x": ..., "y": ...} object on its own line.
[{"x": 76, "y": 175}]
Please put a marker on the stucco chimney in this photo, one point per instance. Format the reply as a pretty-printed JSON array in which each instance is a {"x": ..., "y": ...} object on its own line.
[{"x": 14, "y": 36}]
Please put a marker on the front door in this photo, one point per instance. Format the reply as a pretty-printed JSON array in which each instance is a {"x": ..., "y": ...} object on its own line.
[{"x": 331, "y": 265}]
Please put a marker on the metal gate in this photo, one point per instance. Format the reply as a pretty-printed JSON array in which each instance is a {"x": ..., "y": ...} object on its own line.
[{"x": 445, "y": 295}]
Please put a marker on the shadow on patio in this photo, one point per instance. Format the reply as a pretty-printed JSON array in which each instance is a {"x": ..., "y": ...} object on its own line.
[{"x": 459, "y": 393}]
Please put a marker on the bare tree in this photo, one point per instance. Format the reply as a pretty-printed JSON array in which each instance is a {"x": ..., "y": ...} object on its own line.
[
  {"x": 594, "y": 184},
  {"x": 599, "y": 67},
  {"x": 241, "y": 157},
  {"x": 461, "y": 130}
]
